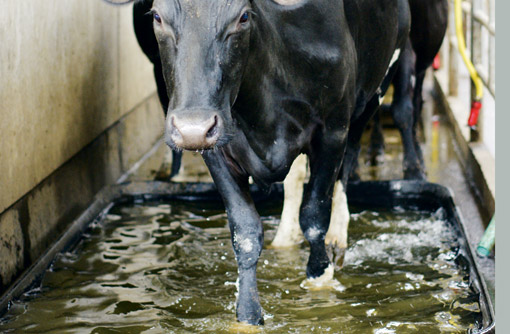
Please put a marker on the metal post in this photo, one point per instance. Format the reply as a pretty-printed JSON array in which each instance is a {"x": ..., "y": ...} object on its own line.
[
  {"x": 453, "y": 61},
  {"x": 476, "y": 59}
]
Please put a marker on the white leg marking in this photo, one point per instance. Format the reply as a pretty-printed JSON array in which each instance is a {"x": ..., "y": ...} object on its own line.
[
  {"x": 413, "y": 80},
  {"x": 289, "y": 232},
  {"x": 394, "y": 58},
  {"x": 339, "y": 223}
]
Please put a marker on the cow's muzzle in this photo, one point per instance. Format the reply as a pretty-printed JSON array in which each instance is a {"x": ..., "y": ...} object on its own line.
[{"x": 194, "y": 129}]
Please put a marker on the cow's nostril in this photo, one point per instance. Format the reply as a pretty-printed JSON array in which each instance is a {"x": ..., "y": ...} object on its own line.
[
  {"x": 173, "y": 128},
  {"x": 214, "y": 128}
]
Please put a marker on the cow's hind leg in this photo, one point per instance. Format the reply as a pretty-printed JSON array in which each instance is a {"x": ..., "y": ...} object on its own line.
[
  {"x": 403, "y": 114},
  {"x": 289, "y": 233},
  {"x": 376, "y": 148},
  {"x": 246, "y": 234},
  {"x": 418, "y": 106},
  {"x": 336, "y": 238},
  {"x": 337, "y": 235}
]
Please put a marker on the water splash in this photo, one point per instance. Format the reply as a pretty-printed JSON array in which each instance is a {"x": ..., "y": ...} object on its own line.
[{"x": 159, "y": 268}]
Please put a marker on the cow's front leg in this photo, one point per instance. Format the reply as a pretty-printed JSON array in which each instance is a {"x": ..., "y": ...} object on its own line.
[
  {"x": 315, "y": 212},
  {"x": 246, "y": 233}
]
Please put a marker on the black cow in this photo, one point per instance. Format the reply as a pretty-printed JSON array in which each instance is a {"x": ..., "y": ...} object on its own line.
[
  {"x": 254, "y": 83},
  {"x": 428, "y": 28}
]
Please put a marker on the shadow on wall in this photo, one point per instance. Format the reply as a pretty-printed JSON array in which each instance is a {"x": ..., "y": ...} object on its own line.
[{"x": 62, "y": 104}]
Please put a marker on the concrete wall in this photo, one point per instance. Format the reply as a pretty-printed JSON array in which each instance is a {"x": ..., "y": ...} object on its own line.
[{"x": 71, "y": 76}]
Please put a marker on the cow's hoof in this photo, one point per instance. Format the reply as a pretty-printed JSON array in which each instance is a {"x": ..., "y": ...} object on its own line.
[
  {"x": 242, "y": 327},
  {"x": 376, "y": 155},
  {"x": 324, "y": 282},
  {"x": 414, "y": 174},
  {"x": 164, "y": 172},
  {"x": 249, "y": 321},
  {"x": 250, "y": 312},
  {"x": 336, "y": 255}
]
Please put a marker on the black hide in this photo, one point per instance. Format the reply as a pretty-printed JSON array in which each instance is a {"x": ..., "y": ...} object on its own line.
[
  {"x": 428, "y": 28},
  {"x": 256, "y": 83}
]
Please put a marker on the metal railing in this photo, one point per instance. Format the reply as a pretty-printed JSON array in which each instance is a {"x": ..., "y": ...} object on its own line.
[
  {"x": 483, "y": 41},
  {"x": 480, "y": 35}
]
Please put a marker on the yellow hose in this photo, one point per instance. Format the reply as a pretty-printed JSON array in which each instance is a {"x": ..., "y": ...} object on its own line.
[{"x": 461, "y": 43}]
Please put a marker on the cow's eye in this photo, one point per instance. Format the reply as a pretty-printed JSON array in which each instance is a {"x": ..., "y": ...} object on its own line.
[
  {"x": 157, "y": 18},
  {"x": 244, "y": 18}
]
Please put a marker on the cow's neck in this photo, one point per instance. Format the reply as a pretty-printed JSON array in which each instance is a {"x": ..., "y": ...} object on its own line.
[{"x": 276, "y": 111}]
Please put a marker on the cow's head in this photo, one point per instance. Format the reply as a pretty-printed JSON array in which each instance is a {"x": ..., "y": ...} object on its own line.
[{"x": 203, "y": 46}]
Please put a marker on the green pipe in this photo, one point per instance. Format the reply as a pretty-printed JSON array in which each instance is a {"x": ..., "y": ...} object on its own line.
[{"x": 489, "y": 238}]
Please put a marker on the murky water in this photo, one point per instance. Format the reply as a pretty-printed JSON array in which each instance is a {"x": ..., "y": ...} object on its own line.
[{"x": 170, "y": 269}]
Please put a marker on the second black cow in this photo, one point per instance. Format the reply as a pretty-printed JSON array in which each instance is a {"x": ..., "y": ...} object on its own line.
[
  {"x": 253, "y": 83},
  {"x": 428, "y": 28}
]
